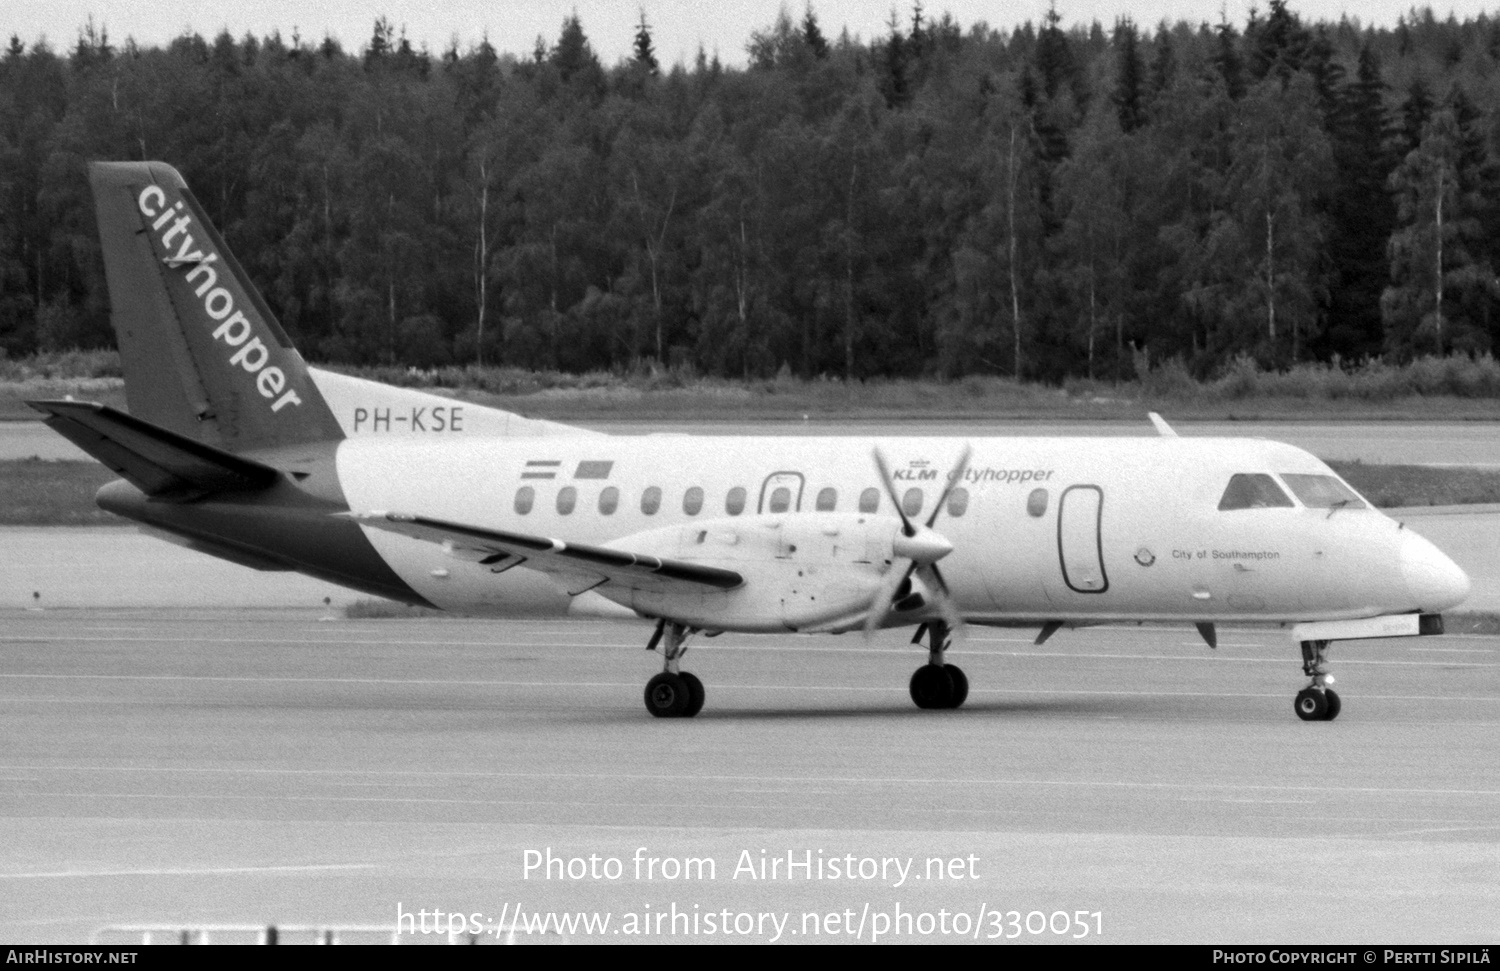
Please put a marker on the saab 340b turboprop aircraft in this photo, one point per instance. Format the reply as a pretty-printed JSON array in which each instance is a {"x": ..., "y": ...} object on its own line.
[{"x": 235, "y": 447}]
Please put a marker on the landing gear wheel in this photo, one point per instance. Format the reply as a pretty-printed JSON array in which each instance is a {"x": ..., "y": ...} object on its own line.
[
  {"x": 960, "y": 685},
  {"x": 668, "y": 696},
  {"x": 932, "y": 687},
  {"x": 1317, "y": 702},
  {"x": 695, "y": 694},
  {"x": 674, "y": 693},
  {"x": 1312, "y": 705}
]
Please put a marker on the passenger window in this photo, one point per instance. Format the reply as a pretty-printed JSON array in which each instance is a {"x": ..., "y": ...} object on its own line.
[
  {"x": 609, "y": 501},
  {"x": 828, "y": 499},
  {"x": 912, "y": 501},
  {"x": 567, "y": 498},
  {"x": 1322, "y": 491},
  {"x": 692, "y": 501},
  {"x": 734, "y": 503},
  {"x": 525, "y": 496},
  {"x": 869, "y": 500},
  {"x": 651, "y": 500},
  {"x": 1253, "y": 490},
  {"x": 958, "y": 502},
  {"x": 1036, "y": 503},
  {"x": 781, "y": 499}
]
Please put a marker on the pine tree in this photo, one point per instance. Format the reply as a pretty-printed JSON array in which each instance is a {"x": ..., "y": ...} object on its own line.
[
  {"x": 1278, "y": 46},
  {"x": 1438, "y": 271},
  {"x": 574, "y": 58},
  {"x": 1163, "y": 63},
  {"x": 894, "y": 82},
  {"x": 920, "y": 39},
  {"x": 1280, "y": 168},
  {"x": 1227, "y": 59},
  {"x": 1129, "y": 77},
  {"x": 1479, "y": 187},
  {"x": 1362, "y": 214},
  {"x": 93, "y": 48},
  {"x": 380, "y": 43},
  {"x": 645, "y": 54},
  {"x": 1326, "y": 72},
  {"x": 813, "y": 36},
  {"x": 1093, "y": 196},
  {"x": 780, "y": 45},
  {"x": 1416, "y": 111},
  {"x": 1054, "y": 57}
]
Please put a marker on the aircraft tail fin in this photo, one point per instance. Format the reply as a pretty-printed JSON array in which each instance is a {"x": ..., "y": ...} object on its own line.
[
  {"x": 161, "y": 463},
  {"x": 203, "y": 355}
]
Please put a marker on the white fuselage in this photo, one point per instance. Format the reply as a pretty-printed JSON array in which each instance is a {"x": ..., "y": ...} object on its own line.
[{"x": 1065, "y": 529}]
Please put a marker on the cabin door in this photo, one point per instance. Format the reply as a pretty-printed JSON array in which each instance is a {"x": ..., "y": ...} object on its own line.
[
  {"x": 781, "y": 492},
  {"x": 1080, "y": 543}
]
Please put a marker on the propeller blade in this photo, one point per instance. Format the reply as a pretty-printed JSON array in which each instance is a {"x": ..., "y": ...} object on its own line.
[
  {"x": 930, "y": 574},
  {"x": 944, "y": 600},
  {"x": 954, "y": 478},
  {"x": 955, "y": 622},
  {"x": 921, "y": 547},
  {"x": 885, "y": 597},
  {"x": 890, "y": 490},
  {"x": 940, "y": 585}
]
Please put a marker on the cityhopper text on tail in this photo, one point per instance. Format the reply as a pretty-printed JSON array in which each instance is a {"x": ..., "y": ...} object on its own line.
[{"x": 235, "y": 447}]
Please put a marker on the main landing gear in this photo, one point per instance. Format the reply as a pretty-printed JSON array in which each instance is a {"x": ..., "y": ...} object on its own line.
[
  {"x": 673, "y": 693},
  {"x": 937, "y": 684},
  {"x": 1317, "y": 701}
]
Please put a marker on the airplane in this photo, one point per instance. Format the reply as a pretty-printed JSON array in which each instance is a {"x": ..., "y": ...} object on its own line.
[{"x": 234, "y": 446}]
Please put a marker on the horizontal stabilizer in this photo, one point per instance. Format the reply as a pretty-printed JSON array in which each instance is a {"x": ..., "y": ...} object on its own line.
[
  {"x": 161, "y": 463},
  {"x": 501, "y": 550}
]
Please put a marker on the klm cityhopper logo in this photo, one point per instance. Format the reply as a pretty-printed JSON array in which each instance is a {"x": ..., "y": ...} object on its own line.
[{"x": 234, "y": 330}]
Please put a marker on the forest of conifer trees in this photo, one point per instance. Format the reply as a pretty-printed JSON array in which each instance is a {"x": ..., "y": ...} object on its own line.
[{"x": 945, "y": 199}]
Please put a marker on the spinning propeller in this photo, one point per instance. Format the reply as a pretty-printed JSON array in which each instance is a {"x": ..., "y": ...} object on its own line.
[{"x": 922, "y": 546}]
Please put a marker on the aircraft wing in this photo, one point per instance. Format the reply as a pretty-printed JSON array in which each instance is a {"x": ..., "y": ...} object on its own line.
[{"x": 502, "y": 550}]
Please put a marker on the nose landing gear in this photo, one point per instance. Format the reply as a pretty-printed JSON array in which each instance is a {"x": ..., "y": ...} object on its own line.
[
  {"x": 1317, "y": 701},
  {"x": 937, "y": 684}
]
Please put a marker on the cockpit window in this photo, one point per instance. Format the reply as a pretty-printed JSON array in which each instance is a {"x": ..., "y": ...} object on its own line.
[
  {"x": 1322, "y": 492},
  {"x": 1253, "y": 490}
]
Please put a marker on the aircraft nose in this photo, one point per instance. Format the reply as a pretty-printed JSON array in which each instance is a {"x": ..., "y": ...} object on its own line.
[{"x": 1433, "y": 580}]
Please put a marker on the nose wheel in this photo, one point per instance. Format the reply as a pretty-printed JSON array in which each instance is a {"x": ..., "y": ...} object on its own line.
[
  {"x": 1318, "y": 701},
  {"x": 673, "y": 693},
  {"x": 1313, "y": 705},
  {"x": 937, "y": 684}
]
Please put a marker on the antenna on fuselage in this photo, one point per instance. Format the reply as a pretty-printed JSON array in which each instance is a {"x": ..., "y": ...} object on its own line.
[{"x": 1162, "y": 428}]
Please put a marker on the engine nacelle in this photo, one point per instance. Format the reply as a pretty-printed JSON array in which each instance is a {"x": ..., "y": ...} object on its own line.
[{"x": 803, "y": 572}]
